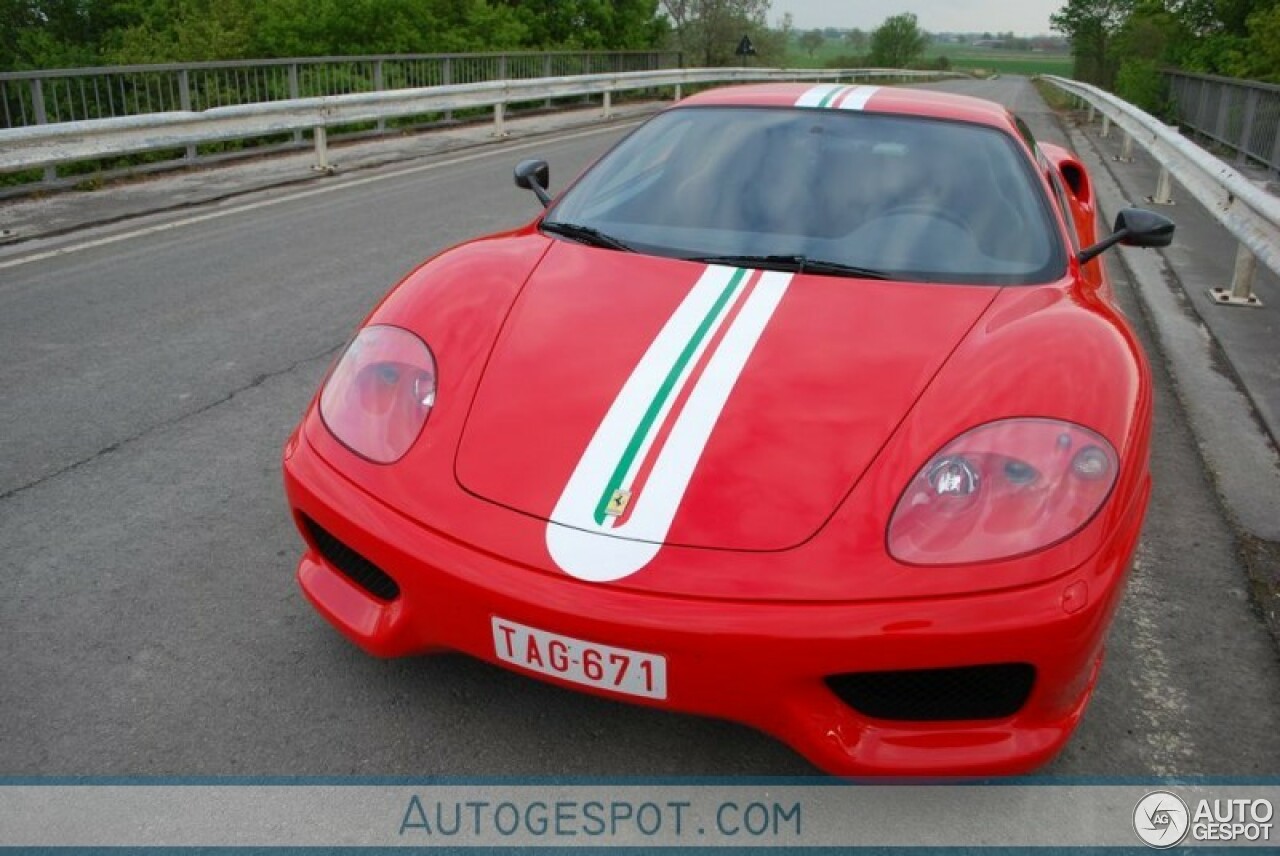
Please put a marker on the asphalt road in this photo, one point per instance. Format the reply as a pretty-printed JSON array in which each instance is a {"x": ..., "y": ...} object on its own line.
[{"x": 149, "y": 622}]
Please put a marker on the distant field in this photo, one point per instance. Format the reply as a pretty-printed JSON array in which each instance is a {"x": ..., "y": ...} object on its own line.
[
  {"x": 1004, "y": 62},
  {"x": 962, "y": 57}
]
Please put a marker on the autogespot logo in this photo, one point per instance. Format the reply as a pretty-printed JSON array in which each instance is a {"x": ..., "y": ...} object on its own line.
[{"x": 1161, "y": 819}]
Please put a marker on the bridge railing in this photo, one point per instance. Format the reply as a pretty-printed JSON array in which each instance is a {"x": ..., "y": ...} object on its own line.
[
  {"x": 47, "y": 145},
  {"x": 75, "y": 94},
  {"x": 1243, "y": 115},
  {"x": 1249, "y": 213}
]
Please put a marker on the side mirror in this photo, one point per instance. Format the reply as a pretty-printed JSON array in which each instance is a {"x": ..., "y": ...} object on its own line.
[
  {"x": 535, "y": 175},
  {"x": 1135, "y": 227}
]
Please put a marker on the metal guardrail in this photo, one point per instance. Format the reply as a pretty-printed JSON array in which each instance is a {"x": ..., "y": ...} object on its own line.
[
  {"x": 1243, "y": 115},
  {"x": 1247, "y": 211},
  {"x": 48, "y": 145},
  {"x": 77, "y": 94}
]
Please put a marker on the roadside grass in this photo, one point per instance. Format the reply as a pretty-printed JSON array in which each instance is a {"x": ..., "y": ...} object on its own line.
[
  {"x": 1053, "y": 96},
  {"x": 1029, "y": 64}
]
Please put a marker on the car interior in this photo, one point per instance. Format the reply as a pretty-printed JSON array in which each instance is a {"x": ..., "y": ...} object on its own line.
[{"x": 939, "y": 200}]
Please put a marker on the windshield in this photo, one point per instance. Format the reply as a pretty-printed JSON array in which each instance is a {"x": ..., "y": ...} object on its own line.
[{"x": 913, "y": 198}]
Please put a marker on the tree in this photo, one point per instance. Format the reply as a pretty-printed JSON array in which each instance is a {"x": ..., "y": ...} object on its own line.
[
  {"x": 857, "y": 40},
  {"x": 1261, "y": 58},
  {"x": 60, "y": 33},
  {"x": 708, "y": 31},
  {"x": 20, "y": 25},
  {"x": 590, "y": 24},
  {"x": 1090, "y": 25},
  {"x": 1139, "y": 49},
  {"x": 898, "y": 42},
  {"x": 811, "y": 41}
]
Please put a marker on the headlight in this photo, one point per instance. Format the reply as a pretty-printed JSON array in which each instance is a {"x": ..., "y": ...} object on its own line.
[
  {"x": 380, "y": 394},
  {"x": 1001, "y": 490}
]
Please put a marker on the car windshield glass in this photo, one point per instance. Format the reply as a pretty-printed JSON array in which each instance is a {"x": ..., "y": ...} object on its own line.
[{"x": 912, "y": 198}]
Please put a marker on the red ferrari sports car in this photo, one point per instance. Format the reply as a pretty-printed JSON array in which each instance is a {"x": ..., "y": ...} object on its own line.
[{"x": 807, "y": 407}]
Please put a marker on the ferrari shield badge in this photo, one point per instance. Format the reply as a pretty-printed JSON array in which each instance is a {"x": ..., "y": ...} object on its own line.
[{"x": 618, "y": 503}]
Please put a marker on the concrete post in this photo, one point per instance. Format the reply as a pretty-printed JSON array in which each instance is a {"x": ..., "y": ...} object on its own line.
[
  {"x": 546, "y": 72},
  {"x": 42, "y": 118},
  {"x": 378, "y": 86},
  {"x": 293, "y": 94},
  {"x": 1126, "y": 149},
  {"x": 1241, "y": 291},
  {"x": 184, "y": 100},
  {"x": 446, "y": 78},
  {"x": 1164, "y": 189},
  {"x": 322, "y": 164}
]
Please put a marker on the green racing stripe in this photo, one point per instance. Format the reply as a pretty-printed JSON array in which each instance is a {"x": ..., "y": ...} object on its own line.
[
  {"x": 646, "y": 423},
  {"x": 830, "y": 96}
]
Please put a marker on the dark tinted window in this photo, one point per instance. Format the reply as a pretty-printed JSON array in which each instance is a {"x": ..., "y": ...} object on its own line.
[{"x": 920, "y": 199}]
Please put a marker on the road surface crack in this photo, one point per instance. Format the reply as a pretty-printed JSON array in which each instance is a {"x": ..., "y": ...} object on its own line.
[{"x": 257, "y": 381}]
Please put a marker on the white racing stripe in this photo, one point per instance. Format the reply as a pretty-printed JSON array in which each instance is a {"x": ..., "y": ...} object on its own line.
[
  {"x": 669, "y": 400},
  {"x": 814, "y": 96},
  {"x": 579, "y": 541},
  {"x": 836, "y": 97},
  {"x": 857, "y": 99}
]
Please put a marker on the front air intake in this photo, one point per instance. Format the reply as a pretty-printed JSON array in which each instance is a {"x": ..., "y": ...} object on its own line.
[
  {"x": 935, "y": 695},
  {"x": 353, "y": 566}
]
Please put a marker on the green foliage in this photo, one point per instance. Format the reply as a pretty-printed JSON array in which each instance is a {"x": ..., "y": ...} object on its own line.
[
  {"x": 589, "y": 24},
  {"x": 960, "y": 57},
  {"x": 1140, "y": 82},
  {"x": 1030, "y": 64},
  {"x": 847, "y": 61},
  {"x": 858, "y": 40},
  {"x": 898, "y": 42},
  {"x": 1091, "y": 25},
  {"x": 812, "y": 40},
  {"x": 61, "y": 33},
  {"x": 183, "y": 30},
  {"x": 1260, "y": 58},
  {"x": 1124, "y": 43}
]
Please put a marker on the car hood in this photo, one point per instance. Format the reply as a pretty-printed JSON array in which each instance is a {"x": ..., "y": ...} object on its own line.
[{"x": 633, "y": 401}]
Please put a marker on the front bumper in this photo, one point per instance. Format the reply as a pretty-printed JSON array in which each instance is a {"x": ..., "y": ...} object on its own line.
[{"x": 759, "y": 663}]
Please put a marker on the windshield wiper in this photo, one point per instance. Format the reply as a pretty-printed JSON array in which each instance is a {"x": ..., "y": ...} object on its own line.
[
  {"x": 586, "y": 235},
  {"x": 799, "y": 264}
]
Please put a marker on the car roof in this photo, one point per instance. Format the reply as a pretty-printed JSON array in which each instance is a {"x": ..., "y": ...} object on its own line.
[{"x": 870, "y": 98}]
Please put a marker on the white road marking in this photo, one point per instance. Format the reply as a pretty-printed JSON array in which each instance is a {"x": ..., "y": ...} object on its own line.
[{"x": 305, "y": 194}]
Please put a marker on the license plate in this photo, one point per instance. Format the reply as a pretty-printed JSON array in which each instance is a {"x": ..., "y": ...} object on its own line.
[{"x": 619, "y": 670}]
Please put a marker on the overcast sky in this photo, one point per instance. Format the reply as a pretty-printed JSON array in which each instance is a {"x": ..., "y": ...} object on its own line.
[{"x": 1023, "y": 17}]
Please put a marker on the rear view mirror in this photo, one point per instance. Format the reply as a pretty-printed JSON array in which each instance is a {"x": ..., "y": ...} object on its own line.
[
  {"x": 535, "y": 175},
  {"x": 1135, "y": 227},
  {"x": 1144, "y": 228}
]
